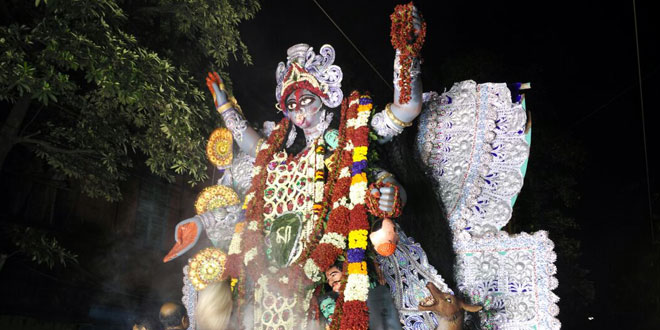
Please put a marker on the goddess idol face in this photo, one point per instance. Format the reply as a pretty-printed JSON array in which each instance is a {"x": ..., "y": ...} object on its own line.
[{"x": 303, "y": 108}]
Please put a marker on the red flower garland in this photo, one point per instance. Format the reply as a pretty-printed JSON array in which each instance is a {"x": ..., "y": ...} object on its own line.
[
  {"x": 409, "y": 46},
  {"x": 325, "y": 254},
  {"x": 356, "y": 312},
  {"x": 250, "y": 238},
  {"x": 372, "y": 201}
]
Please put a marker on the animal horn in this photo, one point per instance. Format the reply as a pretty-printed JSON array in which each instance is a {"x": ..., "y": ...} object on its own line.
[{"x": 470, "y": 308}]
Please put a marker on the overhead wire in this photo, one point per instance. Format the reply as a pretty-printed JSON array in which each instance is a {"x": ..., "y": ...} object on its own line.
[
  {"x": 641, "y": 103},
  {"x": 354, "y": 46}
]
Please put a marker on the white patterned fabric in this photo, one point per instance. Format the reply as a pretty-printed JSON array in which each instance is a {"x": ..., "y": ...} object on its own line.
[
  {"x": 239, "y": 174},
  {"x": 189, "y": 299},
  {"x": 219, "y": 224},
  {"x": 407, "y": 272},
  {"x": 472, "y": 139},
  {"x": 512, "y": 276}
]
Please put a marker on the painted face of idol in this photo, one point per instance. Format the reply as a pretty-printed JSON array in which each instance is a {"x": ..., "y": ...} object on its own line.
[{"x": 304, "y": 108}]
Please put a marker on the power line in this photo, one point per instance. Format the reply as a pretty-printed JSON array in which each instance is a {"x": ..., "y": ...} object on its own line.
[
  {"x": 354, "y": 46},
  {"x": 611, "y": 100},
  {"x": 641, "y": 103}
]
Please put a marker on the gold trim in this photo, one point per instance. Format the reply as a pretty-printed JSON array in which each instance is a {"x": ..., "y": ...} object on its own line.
[
  {"x": 384, "y": 177},
  {"x": 393, "y": 118},
  {"x": 225, "y": 107},
  {"x": 256, "y": 149}
]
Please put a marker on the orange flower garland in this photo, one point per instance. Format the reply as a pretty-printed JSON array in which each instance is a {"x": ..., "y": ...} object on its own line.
[{"x": 409, "y": 46}]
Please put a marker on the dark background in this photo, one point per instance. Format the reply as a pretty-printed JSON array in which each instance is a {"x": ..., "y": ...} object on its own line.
[{"x": 581, "y": 59}]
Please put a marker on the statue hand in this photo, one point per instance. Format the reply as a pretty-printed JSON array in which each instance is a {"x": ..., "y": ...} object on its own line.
[
  {"x": 217, "y": 88},
  {"x": 186, "y": 235},
  {"x": 386, "y": 199},
  {"x": 417, "y": 21}
]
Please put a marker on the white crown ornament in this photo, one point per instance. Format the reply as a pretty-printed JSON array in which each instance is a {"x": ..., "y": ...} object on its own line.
[{"x": 303, "y": 65}]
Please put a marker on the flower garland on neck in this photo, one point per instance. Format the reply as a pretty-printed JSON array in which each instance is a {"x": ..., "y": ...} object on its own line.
[
  {"x": 409, "y": 46},
  {"x": 348, "y": 218},
  {"x": 357, "y": 285}
]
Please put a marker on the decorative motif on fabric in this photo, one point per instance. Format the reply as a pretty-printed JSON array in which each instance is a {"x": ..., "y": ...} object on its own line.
[
  {"x": 320, "y": 66},
  {"x": 189, "y": 299},
  {"x": 512, "y": 277},
  {"x": 239, "y": 175},
  {"x": 277, "y": 310},
  {"x": 290, "y": 188},
  {"x": 407, "y": 272},
  {"x": 235, "y": 123},
  {"x": 473, "y": 142},
  {"x": 219, "y": 224}
]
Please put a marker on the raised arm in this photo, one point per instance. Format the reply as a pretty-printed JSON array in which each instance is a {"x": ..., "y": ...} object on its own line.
[
  {"x": 244, "y": 135},
  {"x": 403, "y": 108},
  {"x": 408, "y": 32}
]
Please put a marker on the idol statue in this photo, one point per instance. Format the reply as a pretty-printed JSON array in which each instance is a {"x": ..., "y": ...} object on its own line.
[{"x": 304, "y": 220}]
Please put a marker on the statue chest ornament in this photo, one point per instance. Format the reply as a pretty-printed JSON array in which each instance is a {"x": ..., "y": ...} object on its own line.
[{"x": 293, "y": 187}]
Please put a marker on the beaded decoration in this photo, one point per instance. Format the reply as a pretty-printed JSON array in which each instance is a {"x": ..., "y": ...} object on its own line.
[
  {"x": 213, "y": 197},
  {"x": 206, "y": 267},
  {"x": 219, "y": 148}
]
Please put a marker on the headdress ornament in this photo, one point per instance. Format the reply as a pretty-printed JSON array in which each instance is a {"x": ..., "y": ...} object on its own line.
[{"x": 306, "y": 69}]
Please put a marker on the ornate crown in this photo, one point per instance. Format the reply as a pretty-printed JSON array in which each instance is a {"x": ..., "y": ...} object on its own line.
[{"x": 305, "y": 69}]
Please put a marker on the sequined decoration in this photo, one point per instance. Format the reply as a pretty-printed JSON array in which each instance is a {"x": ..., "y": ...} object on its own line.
[
  {"x": 512, "y": 276},
  {"x": 214, "y": 197},
  {"x": 206, "y": 267},
  {"x": 189, "y": 298},
  {"x": 407, "y": 272},
  {"x": 472, "y": 138},
  {"x": 219, "y": 148}
]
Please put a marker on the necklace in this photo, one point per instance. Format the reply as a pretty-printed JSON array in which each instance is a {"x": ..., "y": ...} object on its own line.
[{"x": 312, "y": 133}]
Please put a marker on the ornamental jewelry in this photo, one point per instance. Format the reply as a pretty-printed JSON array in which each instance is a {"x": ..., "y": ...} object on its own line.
[
  {"x": 219, "y": 148},
  {"x": 394, "y": 119},
  {"x": 235, "y": 123},
  {"x": 312, "y": 134},
  {"x": 382, "y": 176},
  {"x": 315, "y": 70},
  {"x": 225, "y": 107},
  {"x": 384, "y": 127},
  {"x": 206, "y": 267}
]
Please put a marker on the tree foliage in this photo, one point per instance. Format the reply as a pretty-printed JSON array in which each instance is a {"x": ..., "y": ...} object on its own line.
[
  {"x": 91, "y": 86},
  {"x": 39, "y": 246}
]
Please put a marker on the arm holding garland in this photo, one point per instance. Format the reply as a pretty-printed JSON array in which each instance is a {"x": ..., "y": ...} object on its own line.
[{"x": 407, "y": 105}]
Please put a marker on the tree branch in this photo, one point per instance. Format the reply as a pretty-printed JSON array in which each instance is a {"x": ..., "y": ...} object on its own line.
[{"x": 51, "y": 147}]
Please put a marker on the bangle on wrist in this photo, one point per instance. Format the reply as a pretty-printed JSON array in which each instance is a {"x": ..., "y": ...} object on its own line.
[
  {"x": 225, "y": 107},
  {"x": 394, "y": 119},
  {"x": 383, "y": 176}
]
